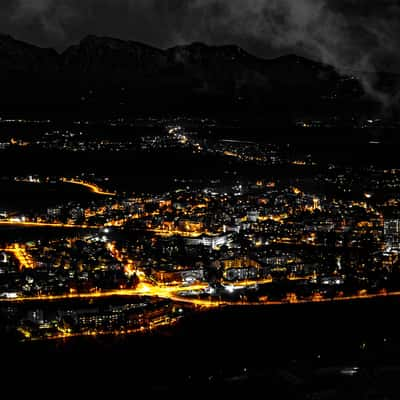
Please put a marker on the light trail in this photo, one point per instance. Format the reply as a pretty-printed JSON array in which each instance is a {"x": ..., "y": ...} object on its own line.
[{"x": 91, "y": 186}]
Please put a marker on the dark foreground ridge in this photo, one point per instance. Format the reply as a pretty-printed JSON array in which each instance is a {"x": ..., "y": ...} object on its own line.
[{"x": 288, "y": 355}]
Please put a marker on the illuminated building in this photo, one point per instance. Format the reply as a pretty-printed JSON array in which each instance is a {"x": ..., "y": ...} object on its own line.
[
  {"x": 35, "y": 316},
  {"x": 100, "y": 320},
  {"x": 54, "y": 211},
  {"x": 173, "y": 277},
  {"x": 241, "y": 269},
  {"x": 392, "y": 234},
  {"x": 316, "y": 204},
  {"x": 252, "y": 216},
  {"x": 3, "y": 257},
  {"x": 77, "y": 213},
  {"x": 213, "y": 242}
]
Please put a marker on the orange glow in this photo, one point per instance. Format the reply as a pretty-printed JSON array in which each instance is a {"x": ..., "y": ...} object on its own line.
[
  {"x": 20, "y": 253},
  {"x": 45, "y": 224},
  {"x": 91, "y": 186},
  {"x": 296, "y": 190}
]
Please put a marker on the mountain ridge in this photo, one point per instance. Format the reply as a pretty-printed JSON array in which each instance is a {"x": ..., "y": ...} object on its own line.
[
  {"x": 94, "y": 41},
  {"x": 101, "y": 70}
]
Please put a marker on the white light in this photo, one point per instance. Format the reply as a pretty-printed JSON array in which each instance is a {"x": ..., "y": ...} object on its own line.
[{"x": 349, "y": 371}]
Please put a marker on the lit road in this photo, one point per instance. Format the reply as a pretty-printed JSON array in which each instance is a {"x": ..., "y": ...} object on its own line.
[
  {"x": 143, "y": 289},
  {"x": 164, "y": 232},
  {"x": 175, "y": 293},
  {"x": 210, "y": 303},
  {"x": 123, "y": 221},
  {"x": 91, "y": 186},
  {"x": 13, "y": 222}
]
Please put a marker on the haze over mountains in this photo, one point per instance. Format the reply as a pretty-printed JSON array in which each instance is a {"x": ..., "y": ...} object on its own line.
[{"x": 112, "y": 73}]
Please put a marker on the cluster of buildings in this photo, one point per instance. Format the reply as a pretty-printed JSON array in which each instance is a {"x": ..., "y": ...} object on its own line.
[
  {"x": 249, "y": 230},
  {"x": 139, "y": 315},
  {"x": 330, "y": 234}
]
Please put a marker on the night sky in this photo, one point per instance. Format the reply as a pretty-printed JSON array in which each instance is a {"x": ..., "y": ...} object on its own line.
[{"x": 355, "y": 34}]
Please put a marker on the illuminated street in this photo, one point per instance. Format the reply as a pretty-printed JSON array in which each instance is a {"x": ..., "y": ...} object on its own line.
[
  {"x": 92, "y": 187},
  {"x": 174, "y": 293},
  {"x": 28, "y": 224}
]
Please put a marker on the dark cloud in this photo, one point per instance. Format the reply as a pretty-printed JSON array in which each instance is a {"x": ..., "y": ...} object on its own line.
[{"x": 360, "y": 35}]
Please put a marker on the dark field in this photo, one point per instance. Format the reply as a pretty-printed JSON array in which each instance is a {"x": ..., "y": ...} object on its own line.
[{"x": 291, "y": 350}]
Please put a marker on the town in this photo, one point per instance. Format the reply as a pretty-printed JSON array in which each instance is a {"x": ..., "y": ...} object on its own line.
[{"x": 329, "y": 235}]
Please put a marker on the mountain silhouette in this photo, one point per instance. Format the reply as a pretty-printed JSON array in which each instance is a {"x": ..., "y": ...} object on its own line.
[{"x": 109, "y": 73}]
